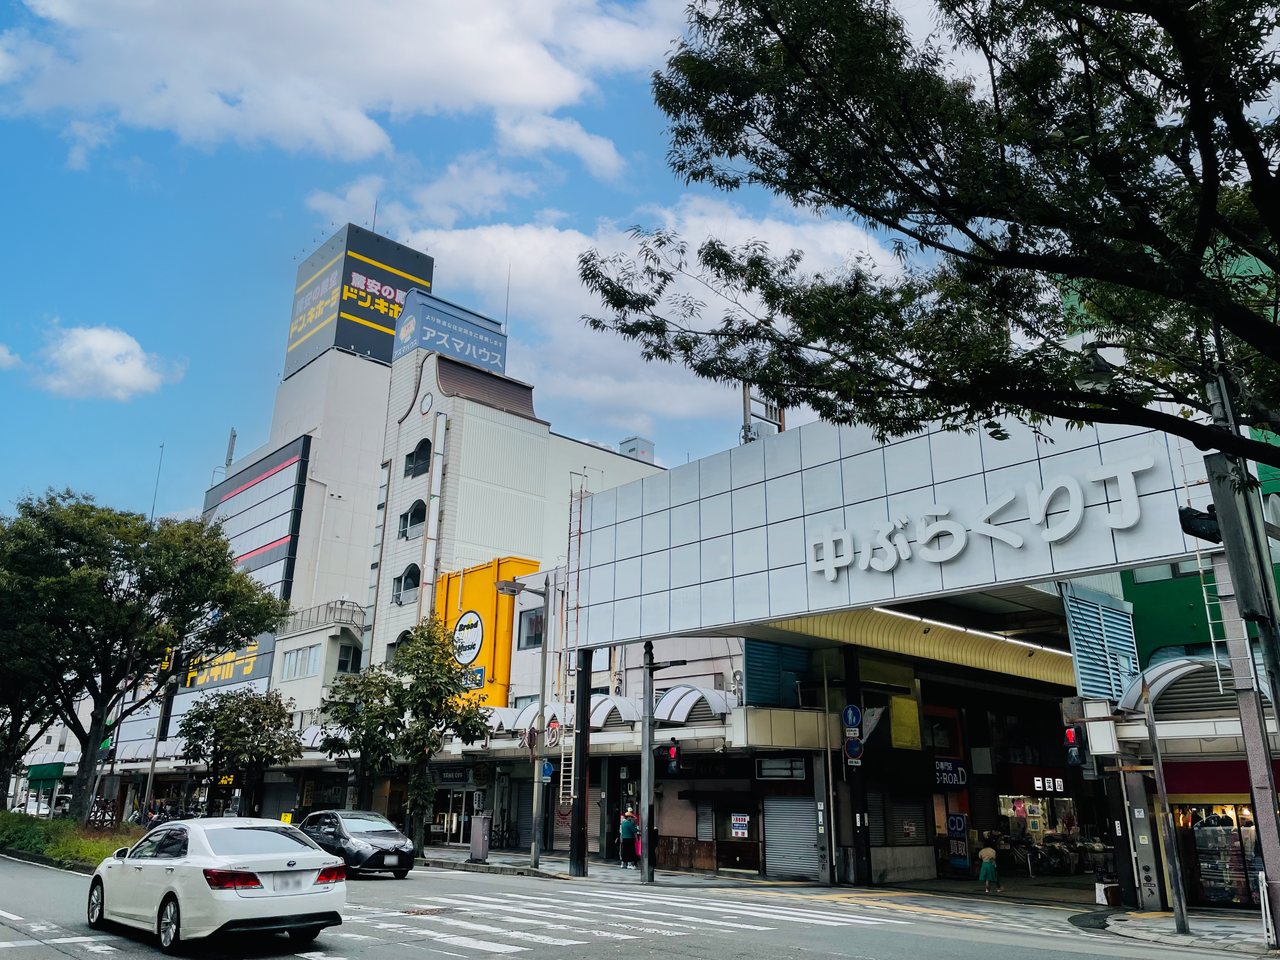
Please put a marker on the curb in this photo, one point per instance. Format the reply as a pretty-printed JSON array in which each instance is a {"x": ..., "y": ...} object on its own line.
[
  {"x": 489, "y": 868},
  {"x": 1187, "y": 942},
  {"x": 39, "y": 858}
]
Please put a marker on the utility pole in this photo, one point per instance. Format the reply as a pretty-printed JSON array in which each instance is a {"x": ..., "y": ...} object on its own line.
[
  {"x": 580, "y": 809},
  {"x": 646, "y": 758},
  {"x": 513, "y": 588},
  {"x": 1168, "y": 833}
]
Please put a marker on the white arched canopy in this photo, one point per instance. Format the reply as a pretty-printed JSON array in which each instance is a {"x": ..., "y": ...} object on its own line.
[
  {"x": 689, "y": 704},
  {"x": 1161, "y": 676},
  {"x": 503, "y": 719},
  {"x": 608, "y": 710},
  {"x": 562, "y": 712}
]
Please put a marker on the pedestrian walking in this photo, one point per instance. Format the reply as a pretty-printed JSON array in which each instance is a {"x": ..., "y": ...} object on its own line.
[
  {"x": 629, "y": 833},
  {"x": 988, "y": 873}
]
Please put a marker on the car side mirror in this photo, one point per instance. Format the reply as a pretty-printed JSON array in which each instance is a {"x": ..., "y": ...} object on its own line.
[{"x": 121, "y": 853}]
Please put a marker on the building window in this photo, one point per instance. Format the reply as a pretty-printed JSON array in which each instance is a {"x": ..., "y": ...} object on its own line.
[
  {"x": 349, "y": 657},
  {"x": 395, "y": 645},
  {"x": 404, "y": 588},
  {"x": 414, "y": 521},
  {"x": 522, "y": 702},
  {"x": 418, "y": 462},
  {"x": 780, "y": 769},
  {"x": 303, "y": 662},
  {"x": 530, "y": 629}
]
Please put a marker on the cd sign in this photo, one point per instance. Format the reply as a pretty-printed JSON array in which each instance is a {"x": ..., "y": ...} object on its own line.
[{"x": 468, "y": 637}]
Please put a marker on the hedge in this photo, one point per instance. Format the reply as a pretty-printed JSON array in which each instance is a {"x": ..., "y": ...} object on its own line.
[{"x": 63, "y": 840}]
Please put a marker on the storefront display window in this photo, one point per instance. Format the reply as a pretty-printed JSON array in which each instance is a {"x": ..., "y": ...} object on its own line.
[
  {"x": 1033, "y": 817},
  {"x": 1221, "y": 858}
]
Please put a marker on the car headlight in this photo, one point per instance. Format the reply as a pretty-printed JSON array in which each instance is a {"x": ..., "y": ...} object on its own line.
[{"x": 360, "y": 845}]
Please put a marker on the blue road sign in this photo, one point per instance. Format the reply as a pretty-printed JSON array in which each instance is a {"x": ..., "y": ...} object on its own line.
[
  {"x": 853, "y": 748},
  {"x": 547, "y": 769},
  {"x": 852, "y": 716}
]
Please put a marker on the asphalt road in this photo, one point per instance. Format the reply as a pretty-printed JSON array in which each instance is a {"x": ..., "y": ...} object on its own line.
[{"x": 441, "y": 913}]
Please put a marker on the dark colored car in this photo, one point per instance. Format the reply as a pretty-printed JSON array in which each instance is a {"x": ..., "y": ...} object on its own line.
[{"x": 368, "y": 842}]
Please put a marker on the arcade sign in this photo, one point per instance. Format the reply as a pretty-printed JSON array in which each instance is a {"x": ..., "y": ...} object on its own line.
[{"x": 1057, "y": 507}]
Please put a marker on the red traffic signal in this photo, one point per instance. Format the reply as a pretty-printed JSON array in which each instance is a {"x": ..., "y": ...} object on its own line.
[{"x": 1073, "y": 738}]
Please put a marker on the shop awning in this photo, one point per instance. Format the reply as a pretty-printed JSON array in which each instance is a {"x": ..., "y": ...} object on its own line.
[{"x": 42, "y": 776}]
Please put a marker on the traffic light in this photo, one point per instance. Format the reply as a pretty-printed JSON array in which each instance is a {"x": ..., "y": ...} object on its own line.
[
  {"x": 1073, "y": 738},
  {"x": 1200, "y": 524},
  {"x": 667, "y": 758}
]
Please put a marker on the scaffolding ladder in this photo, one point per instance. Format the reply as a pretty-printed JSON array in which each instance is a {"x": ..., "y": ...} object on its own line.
[{"x": 569, "y": 642}]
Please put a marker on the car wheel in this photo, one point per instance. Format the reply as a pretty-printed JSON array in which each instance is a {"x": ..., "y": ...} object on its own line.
[
  {"x": 97, "y": 905},
  {"x": 169, "y": 926},
  {"x": 399, "y": 874},
  {"x": 305, "y": 935}
]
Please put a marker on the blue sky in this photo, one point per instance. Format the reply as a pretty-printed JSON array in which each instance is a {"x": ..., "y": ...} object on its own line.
[{"x": 166, "y": 164}]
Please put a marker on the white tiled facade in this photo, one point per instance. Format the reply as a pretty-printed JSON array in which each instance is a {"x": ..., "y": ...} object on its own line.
[{"x": 729, "y": 539}]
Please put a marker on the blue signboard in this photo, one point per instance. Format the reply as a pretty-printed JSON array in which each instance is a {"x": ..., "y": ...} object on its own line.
[
  {"x": 547, "y": 769},
  {"x": 950, "y": 773},
  {"x": 430, "y": 323},
  {"x": 958, "y": 839},
  {"x": 852, "y": 716},
  {"x": 853, "y": 748}
]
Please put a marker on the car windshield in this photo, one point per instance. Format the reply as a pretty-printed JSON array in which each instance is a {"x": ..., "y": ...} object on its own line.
[
  {"x": 367, "y": 823},
  {"x": 234, "y": 841}
]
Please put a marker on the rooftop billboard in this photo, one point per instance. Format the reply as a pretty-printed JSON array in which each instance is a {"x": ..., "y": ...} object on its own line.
[
  {"x": 349, "y": 295},
  {"x": 430, "y": 323}
]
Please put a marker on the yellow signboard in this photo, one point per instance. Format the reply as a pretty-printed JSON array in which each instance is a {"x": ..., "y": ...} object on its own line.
[{"x": 482, "y": 622}]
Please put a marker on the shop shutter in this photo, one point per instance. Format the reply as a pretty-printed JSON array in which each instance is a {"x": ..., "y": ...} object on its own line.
[
  {"x": 984, "y": 809},
  {"x": 909, "y": 827},
  {"x": 791, "y": 837},
  {"x": 875, "y": 815},
  {"x": 594, "y": 814},
  {"x": 524, "y": 812},
  {"x": 706, "y": 822}
]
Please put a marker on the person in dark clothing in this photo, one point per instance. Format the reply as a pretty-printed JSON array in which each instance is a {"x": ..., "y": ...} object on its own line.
[{"x": 628, "y": 830}]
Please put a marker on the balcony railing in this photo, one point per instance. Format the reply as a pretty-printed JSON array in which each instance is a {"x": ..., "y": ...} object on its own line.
[{"x": 335, "y": 611}]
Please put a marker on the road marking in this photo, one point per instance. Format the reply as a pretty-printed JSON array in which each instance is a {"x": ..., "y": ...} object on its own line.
[
  {"x": 78, "y": 940},
  {"x": 759, "y": 913},
  {"x": 504, "y": 912},
  {"x": 9, "y": 916},
  {"x": 516, "y": 934},
  {"x": 19, "y": 943}
]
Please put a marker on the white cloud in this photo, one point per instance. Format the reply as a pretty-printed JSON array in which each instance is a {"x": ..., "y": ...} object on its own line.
[
  {"x": 601, "y": 373},
  {"x": 8, "y": 359},
  {"x": 532, "y": 134},
  {"x": 313, "y": 74},
  {"x": 85, "y": 136},
  {"x": 101, "y": 363}
]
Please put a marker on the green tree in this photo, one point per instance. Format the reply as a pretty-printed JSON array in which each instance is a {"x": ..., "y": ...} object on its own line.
[
  {"x": 110, "y": 593},
  {"x": 240, "y": 733},
  {"x": 438, "y": 701},
  {"x": 1056, "y": 179},
  {"x": 364, "y": 718}
]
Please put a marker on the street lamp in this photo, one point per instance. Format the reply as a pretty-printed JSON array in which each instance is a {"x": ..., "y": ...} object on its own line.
[{"x": 513, "y": 588}]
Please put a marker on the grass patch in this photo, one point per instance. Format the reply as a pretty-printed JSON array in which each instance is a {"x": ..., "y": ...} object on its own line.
[{"x": 63, "y": 840}]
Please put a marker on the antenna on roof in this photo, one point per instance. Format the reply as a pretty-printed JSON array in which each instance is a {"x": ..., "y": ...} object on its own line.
[
  {"x": 507, "y": 309},
  {"x": 374, "y": 228},
  {"x": 231, "y": 448},
  {"x": 156, "y": 493}
]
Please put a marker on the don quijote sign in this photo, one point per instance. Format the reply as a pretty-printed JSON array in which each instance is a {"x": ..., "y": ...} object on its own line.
[{"x": 933, "y": 534}]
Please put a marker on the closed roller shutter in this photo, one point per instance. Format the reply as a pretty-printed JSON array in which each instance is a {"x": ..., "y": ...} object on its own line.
[
  {"x": 909, "y": 828},
  {"x": 706, "y": 822},
  {"x": 524, "y": 812},
  {"x": 984, "y": 808},
  {"x": 593, "y": 819},
  {"x": 791, "y": 837},
  {"x": 875, "y": 815}
]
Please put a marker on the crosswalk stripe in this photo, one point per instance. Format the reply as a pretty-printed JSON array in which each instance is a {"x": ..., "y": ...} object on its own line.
[
  {"x": 751, "y": 910},
  {"x": 456, "y": 940},
  {"x": 506, "y": 910},
  {"x": 632, "y": 915},
  {"x": 19, "y": 943},
  {"x": 9, "y": 916},
  {"x": 517, "y": 934}
]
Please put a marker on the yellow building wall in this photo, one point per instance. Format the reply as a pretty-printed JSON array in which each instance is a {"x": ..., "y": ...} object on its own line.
[{"x": 474, "y": 590}]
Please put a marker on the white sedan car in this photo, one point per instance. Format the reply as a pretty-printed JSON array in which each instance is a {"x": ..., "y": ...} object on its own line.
[{"x": 193, "y": 878}]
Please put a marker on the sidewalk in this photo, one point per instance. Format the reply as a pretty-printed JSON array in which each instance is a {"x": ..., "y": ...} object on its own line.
[
  {"x": 1075, "y": 890},
  {"x": 1241, "y": 934}
]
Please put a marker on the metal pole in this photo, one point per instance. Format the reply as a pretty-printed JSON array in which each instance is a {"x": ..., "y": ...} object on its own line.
[
  {"x": 646, "y": 764},
  {"x": 1257, "y": 746},
  {"x": 151, "y": 774},
  {"x": 579, "y": 811},
  {"x": 1176, "y": 893},
  {"x": 831, "y": 789},
  {"x": 535, "y": 847}
]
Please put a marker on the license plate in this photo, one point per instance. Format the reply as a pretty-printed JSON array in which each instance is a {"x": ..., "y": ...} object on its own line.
[
  {"x": 390, "y": 861},
  {"x": 288, "y": 882}
]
